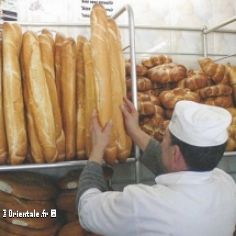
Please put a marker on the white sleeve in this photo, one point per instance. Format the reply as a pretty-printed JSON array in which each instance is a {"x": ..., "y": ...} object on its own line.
[{"x": 108, "y": 213}]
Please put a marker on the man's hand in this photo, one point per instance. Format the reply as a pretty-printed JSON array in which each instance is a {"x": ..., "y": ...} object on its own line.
[
  {"x": 132, "y": 126},
  {"x": 100, "y": 139}
]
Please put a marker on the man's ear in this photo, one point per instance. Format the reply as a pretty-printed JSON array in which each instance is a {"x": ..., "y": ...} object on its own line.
[{"x": 178, "y": 162}]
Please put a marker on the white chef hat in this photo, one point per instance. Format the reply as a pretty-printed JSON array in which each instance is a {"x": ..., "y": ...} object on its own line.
[{"x": 199, "y": 124}]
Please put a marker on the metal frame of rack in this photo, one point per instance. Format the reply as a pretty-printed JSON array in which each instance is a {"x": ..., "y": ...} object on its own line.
[{"x": 74, "y": 163}]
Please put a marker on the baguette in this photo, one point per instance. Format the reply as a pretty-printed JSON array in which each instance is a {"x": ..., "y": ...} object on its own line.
[
  {"x": 3, "y": 138},
  {"x": 12, "y": 94},
  {"x": 102, "y": 71},
  {"x": 59, "y": 39},
  {"x": 80, "y": 77},
  {"x": 38, "y": 95},
  {"x": 90, "y": 95},
  {"x": 46, "y": 44},
  {"x": 118, "y": 86},
  {"x": 68, "y": 93}
]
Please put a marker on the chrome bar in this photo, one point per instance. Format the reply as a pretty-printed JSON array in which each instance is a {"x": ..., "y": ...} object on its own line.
[
  {"x": 204, "y": 38},
  {"x": 224, "y": 57},
  {"x": 133, "y": 74},
  {"x": 220, "y": 25}
]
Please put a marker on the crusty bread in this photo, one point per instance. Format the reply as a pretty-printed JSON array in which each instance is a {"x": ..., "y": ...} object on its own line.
[
  {"x": 59, "y": 39},
  {"x": 102, "y": 71},
  {"x": 69, "y": 181},
  {"x": 28, "y": 185},
  {"x": 12, "y": 94},
  {"x": 156, "y": 60},
  {"x": 3, "y": 138},
  {"x": 143, "y": 84},
  {"x": 146, "y": 108},
  {"x": 17, "y": 230},
  {"x": 68, "y": 90},
  {"x": 118, "y": 88},
  {"x": 215, "y": 90},
  {"x": 169, "y": 98},
  {"x": 66, "y": 200},
  {"x": 232, "y": 80},
  {"x": 72, "y": 229},
  {"x": 212, "y": 69},
  {"x": 90, "y": 95},
  {"x": 35, "y": 150},
  {"x": 46, "y": 44},
  {"x": 167, "y": 73},
  {"x": 38, "y": 95},
  {"x": 80, "y": 78},
  {"x": 140, "y": 69},
  {"x": 221, "y": 101}
]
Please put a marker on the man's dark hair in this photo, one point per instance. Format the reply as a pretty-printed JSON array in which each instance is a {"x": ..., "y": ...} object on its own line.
[{"x": 199, "y": 158}]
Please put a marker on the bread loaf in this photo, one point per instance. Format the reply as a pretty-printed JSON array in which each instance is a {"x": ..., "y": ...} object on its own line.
[
  {"x": 195, "y": 81},
  {"x": 167, "y": 73},
  {"x": 140, "y": 69},
  {"x": 169, "y": 98},
  {"x": 59, "y": 39},
  {"x": 102, "y": 70},
  {"x": 12, "y": 94},
  {"x": 232, "y": 80},
  {"x": 68, "y": 93},
  {"x": 215, "y": 90},
  {"x": 3, "y": 138},
  {"x": 231, "y": 145},
  {"x": 161, "y": 59},
  {"x": 66, "y": 200},
  {"x": 69, "y": 181},
  {"x": 90, "y": 95},
  {"x": 221, "y": 101},
  {"x": 80, "y": 79},
  {"x": 143, "y": 84},
  {"x": 38, "y": 95},
  {"x": 146, "y": 108},
  {"x": 72, "y": 229},
  {"x": 212, "y": 69},
  {"x": 17, "y": 230},
  {"x": 118, "y": 87},
  {"x": 35, "y": 151},
  {"x": 28, "y": 185},
  {"x": 46, "y": 44},
  {"x": 232, "y": 111}
]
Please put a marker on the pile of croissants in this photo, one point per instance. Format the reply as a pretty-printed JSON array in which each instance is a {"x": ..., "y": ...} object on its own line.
[{"x": 161, "y": 83}]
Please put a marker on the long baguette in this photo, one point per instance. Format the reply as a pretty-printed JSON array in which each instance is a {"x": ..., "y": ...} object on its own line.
[
  {"x": 118, "y": 90},
  {"x": 80, "y": 77},
  {"x": 68, "y": 93},
  {"x": 12, "y": 94},
  {"x": 46, "y": 43},
  {"x": 39, "y": 97},
  {"x": 90, "y": 95},
  {"x": 3, "y": 138},
  {"x": 59, "y": 39},
  {"x": 35, "y": 151},
  {"x": 102, "y": 70}
]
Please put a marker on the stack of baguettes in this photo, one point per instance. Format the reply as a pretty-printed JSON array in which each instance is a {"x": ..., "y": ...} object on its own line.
[
  {"x": 33, "y": 196},
  {"x": 105, "y": 70}
]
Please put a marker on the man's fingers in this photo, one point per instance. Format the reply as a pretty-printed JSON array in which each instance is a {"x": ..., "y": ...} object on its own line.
[
  {"x": 129, "y": 104},
  {"x": 124, "y": 110}
]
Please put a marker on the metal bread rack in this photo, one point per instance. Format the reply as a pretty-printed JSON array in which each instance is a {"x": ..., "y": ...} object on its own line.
[{"x": 78, "y": 163}]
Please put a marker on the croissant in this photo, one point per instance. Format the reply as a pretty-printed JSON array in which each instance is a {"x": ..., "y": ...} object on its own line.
[
  {"x": 232, "y": 111},
  {"x": 159, "y": 110},
  {"x": 195, "y": 81},
  {"x": 160, "y": 130},
  {"x": 231, "y": 144},
  {"x": 143, "y": 84},
  {"x": 232, "y": 79},
  {"x": 221, "y": 101},
  {"x": 215, "y": 71},
  {"x": 215, "y": 90},
  {"x": 167, "y": 73},
  {"x": 169, "y": 98}
]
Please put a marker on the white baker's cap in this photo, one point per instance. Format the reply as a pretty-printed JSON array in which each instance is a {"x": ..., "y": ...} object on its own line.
[{"x": 199, "y": 124}]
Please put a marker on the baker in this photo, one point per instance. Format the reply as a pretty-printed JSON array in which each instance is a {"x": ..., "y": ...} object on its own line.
[{"x": 191, "y": 197}]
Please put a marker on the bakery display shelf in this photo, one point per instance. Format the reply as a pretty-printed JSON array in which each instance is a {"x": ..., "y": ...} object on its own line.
[
  {"x": 64, "y": 164},
  {"x": 69, "y": 164}
]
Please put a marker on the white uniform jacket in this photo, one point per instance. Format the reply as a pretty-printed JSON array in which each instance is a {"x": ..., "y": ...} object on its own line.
[{"x": 179, "y": 204}]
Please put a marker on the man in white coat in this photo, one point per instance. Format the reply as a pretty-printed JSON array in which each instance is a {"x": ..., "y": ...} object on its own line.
[{"x": 191, "y": 197}]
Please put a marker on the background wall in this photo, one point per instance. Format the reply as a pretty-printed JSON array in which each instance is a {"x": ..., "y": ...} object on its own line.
[{"x": 183, "y": 13}]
